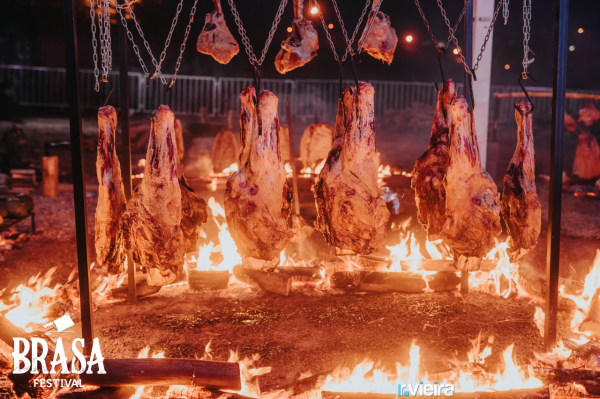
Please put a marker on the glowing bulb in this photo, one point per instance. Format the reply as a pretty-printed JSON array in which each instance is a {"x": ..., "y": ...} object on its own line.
[
  {"x": 314, "y": 10},
  {"x": 506, "y": 66},
  {"x": 330, "y": 26},
  {"x": 409, "y": 38},
  {"x": 571, "y": 48},
  {"x": 289, "y": 29},
  {"x": 455, "y": 51},
  {"x": 580, "y": 30}
]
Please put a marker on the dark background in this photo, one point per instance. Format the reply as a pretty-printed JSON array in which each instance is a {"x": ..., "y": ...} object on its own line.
[{"x": 31, "y": 33}]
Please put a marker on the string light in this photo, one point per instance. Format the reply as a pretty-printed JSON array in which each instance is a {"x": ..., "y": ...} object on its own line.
[
  {"x": 571, "y": 48},
  {"x": 314, "y": 10},
  {"x": 289, "y": 29},
  {"x": 506, "y": 66},
  {"x": 330, "y": 26},
  {"x": 455, "y": 51},
  {"x": 409, "y": 38},
  {"x": 580, "y": 30}
]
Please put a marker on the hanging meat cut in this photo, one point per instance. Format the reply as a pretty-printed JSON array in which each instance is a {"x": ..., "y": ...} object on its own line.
[
  {"x": 589, "y": 114},
  {"x": 301, "y": 45},
  {"x": 315, "y": 143},
  {"x": 110, "y": 252},
  {"x": 351, "y": 213},
  {"x": 587, "y": 157},
  {"x": 225, "y": 150},
  {"x": 521, "y": 209},
  {"x": 430, "y": 168},
  {"x": 472, "y": 216},
  {"x": 162, "y": 218},
  {"x": 258, "y": 196},
  {"x": 381, "y": 40},
  {"x": 216, "y": 39}
]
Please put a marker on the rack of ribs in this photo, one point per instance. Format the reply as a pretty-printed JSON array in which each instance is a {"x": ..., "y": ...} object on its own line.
[
  {"x": 216, "y": 39},
  {"x": 350, "y": 212},
  {"x": 381, "y": 40},
  {"x": 472, "y": 216},
  {"x": 430, "y": 168},
  {"x": 110, "y": 252},
  {"x": 258, "y": 196},
  {"x": 301, "y": 45},
  {"x": 521, "y": 209}
]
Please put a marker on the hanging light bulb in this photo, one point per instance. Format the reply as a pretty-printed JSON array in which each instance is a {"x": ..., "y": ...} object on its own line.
[{"x": 314, "y": 10}]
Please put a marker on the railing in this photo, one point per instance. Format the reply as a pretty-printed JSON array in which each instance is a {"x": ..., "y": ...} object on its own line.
[{"x": 309, "y": 98}]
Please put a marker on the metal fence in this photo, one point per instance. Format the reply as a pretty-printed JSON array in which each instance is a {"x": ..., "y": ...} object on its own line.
[{"x": 309, "y": 98}]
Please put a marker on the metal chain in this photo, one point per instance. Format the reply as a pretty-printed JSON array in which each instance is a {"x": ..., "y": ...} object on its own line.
[
  {"x": 136, "y": 49},
  {"x": 327, "y": 34},
  {"x": 505, "y": 10},
  {"x": 108, "y": 36},
  {"x": 182, "y": 47},
  {"x": 526, "y": 34},
  {"x": 170, "y": 35},
  {"x": 101, "y": 35},
  {"x": 247, "y": 46},
  {"x": 455, "y": 40},
  {"x": 95, "y": 46},
  {"x": 487, "y": 35},
  {"x": 350, "y": 41},
  {"x": 433, "y": 38}
]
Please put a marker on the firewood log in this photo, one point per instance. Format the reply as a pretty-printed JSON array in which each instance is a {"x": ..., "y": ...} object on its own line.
[
  {"x": 208, "y": 279},
  {"x": 278, "y": 283}
]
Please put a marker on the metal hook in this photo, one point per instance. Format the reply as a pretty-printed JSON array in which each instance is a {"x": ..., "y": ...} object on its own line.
[
  {"x": 527, "y": 74},
  {"x": 168, "y": 94},
  {"x": 257, "y": 97},
  {"x": 112, "y": 88},
  {"x": 152, "y": 111},
  {"x": 341, "y": 77},
  {"x": 441, "y": 50},
  {"x": 355, "y": 76},
  {"x": 471, "y": 78}
]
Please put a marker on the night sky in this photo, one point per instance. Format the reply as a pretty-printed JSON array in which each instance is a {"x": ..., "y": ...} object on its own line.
[{"x": 31, "y": 33}]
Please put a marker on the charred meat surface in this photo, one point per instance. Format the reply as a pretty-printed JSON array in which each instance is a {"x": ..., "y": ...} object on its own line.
[
  {"x": 430, "y": 168},
  {"x": 152, "y": 221},
  {"x": 193, "y": 216},
  {"x": 301, "y": 45},
  {"x": 472, "y": 216},
  {"x": 350, "y": 212},
  {"x": 587, "y": 157},
  {"x": 110, "y": 252},
  {"x": 381, "y": 40},
  {"x": 520, "y": 206},
  {"x": 216, "y": 39},
  {"x": 258, "y": 196}
]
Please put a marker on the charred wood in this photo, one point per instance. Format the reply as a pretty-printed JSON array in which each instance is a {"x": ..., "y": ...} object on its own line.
[
  {"x": 278, "y": 283},
  {"x": 208, "y": 279}
]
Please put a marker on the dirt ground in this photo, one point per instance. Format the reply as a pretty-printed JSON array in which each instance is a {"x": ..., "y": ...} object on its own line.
[{"x": 312, "y": 330}]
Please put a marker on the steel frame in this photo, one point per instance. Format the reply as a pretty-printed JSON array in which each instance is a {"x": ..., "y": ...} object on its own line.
[{"x": 554, "y": 214}]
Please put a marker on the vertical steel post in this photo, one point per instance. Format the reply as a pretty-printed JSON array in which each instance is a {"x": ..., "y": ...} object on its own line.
[
  {"x": 126, "y": 145},
  {"x": 561, "y": 20},
  {"x": 71, "y": 53},
  {"x": 468, "y": 50}
]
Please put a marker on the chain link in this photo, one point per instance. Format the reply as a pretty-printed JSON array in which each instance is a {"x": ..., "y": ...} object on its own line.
[
  {"x": 505, "y": 10},
  {"x": 247, "y": 46},
  {"x": 455, "y": 40},
  {"x": 182, "y": 47},
  {"x": 526, "y": 34},
  {"x": 109, "y": 39},
  {"x": 95, "y": 46},
  {"x": 170, "y": 35},
  {"x": 433, "y": 38},
  {"x": 136, "y": 49},
  {"x": 350, "y": 41}
]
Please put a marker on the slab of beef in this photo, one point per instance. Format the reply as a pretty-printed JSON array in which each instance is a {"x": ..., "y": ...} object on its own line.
[
  {"x": 216, "y": 39},
  {"x": 587, "y": 157},
  {"x": 521, "y": 209},
  {"x": 472, "y": 203},
  {"x": 301, "y": 45},
  {"x": 430, "y": 168},
  {"x": 589, "y": 114},
  {"x": 351, "y": 213},
  {"x": 152, "y": 221},
  {"x": 110, "y": 252},
  {"x": 258, "y": 196},
  {"x": 179, "y": 138},
  {"x": 315, "y": 143},
  {"x": 381, "y": 40},
  {"x": 225, "y": 150}
]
